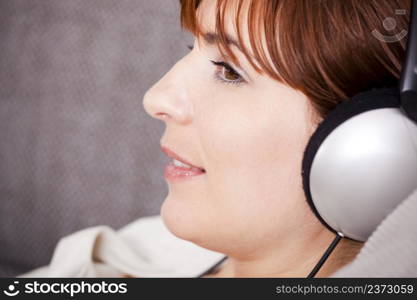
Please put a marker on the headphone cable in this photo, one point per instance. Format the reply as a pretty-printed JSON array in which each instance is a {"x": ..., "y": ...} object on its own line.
[{"x": 325, "y": 255}]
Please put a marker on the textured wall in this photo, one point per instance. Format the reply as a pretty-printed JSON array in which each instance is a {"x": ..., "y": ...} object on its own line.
[{"x": 76, "y": 146}]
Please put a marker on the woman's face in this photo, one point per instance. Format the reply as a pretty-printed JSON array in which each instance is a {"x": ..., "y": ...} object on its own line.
[{"x": 248, "y": 132}]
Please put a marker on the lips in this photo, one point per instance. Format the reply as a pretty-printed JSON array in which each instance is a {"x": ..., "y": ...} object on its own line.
[{"x": 173, "y": 155}]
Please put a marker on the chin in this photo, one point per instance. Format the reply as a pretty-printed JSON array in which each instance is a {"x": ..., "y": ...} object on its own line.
[
  {"x": 179, "y": 220},
  {"x": 187, "y": 222}
]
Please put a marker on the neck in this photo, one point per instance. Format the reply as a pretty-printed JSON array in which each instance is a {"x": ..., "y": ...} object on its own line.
[{"x": 295, "y": 259}]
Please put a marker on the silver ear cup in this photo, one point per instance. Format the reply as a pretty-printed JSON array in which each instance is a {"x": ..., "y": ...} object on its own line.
[{"x": 363, "y": 169}]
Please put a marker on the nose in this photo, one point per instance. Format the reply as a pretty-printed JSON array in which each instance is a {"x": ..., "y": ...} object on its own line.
[{"x": 168, "y": 99}]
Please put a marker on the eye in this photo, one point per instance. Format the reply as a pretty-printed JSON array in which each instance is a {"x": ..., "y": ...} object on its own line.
[{"x": 227, "y": 74}]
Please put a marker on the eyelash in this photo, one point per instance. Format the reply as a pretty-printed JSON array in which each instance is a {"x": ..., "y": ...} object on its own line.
[
  {"x": 218, "y": 77},
  {"x": 217, "y": 74}
]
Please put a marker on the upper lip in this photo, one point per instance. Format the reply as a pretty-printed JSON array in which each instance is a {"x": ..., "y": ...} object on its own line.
[{"x": 174, "y": 155}]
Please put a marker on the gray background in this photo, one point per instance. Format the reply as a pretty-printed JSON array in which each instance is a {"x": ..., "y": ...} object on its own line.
[{"x": 76, "y": 146}]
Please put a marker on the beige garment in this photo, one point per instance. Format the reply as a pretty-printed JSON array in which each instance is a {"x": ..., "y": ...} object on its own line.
[
  {"x": 144, "y": 248},
  {"x": 391, "y": 249}
]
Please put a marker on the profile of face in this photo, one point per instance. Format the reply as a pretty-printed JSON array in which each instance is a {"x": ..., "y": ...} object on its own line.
[{"x": 248, "y": 131}]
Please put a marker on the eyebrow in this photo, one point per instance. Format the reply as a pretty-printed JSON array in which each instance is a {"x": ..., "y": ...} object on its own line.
[{"x": 211, "y": 38}]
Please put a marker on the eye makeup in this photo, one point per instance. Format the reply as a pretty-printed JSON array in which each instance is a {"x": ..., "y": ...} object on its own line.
[{"x": 223, "y": 71}]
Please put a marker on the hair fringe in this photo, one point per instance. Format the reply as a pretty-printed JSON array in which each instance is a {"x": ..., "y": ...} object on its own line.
[{"x": 323, "y": 48}]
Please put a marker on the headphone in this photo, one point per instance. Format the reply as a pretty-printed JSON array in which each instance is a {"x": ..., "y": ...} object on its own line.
[{"x": 361, "y": 161}]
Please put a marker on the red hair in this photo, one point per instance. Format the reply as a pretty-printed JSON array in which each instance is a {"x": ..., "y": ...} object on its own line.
[{"x": 324, "y": 48}]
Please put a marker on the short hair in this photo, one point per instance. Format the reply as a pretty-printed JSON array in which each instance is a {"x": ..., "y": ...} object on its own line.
[{"x": 326, "y": 49}]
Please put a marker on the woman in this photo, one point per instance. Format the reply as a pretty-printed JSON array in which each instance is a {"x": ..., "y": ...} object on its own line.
[
  {"x": 240, "y": 108},
  {"x": 245, "y": 114}
]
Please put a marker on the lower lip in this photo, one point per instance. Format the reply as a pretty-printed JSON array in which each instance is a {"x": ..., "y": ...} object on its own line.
[{"x": 174, "y": 173}]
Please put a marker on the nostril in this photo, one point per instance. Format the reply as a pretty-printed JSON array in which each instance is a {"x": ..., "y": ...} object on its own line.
[{"x": 162, "y": 115}]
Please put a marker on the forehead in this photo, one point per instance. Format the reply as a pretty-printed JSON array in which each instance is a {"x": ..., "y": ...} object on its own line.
[
  {"x": 247, "y": 14},
  {"x": 207, "y": 14}
]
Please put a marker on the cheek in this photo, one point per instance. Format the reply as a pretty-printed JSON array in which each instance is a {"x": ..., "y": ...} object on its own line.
[{"x": 254, "y": 162}]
